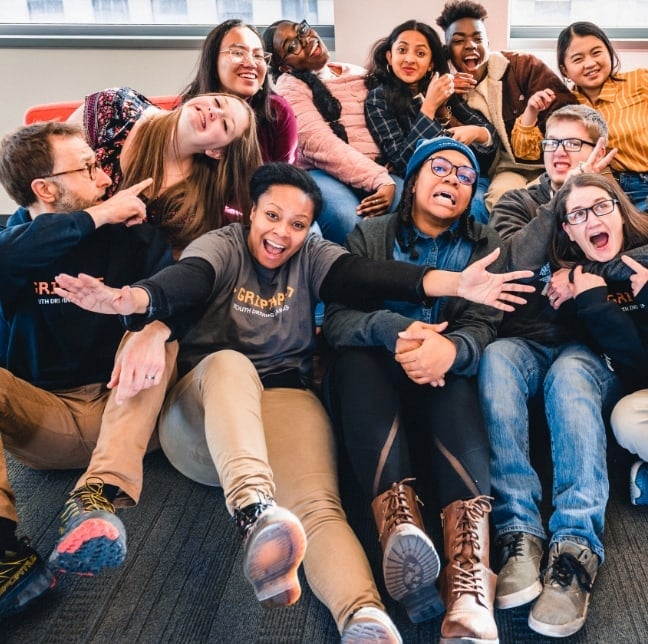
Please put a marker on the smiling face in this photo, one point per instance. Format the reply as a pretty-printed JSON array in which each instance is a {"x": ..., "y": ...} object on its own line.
[
  {"x": 440, "y": 201},
  {"x": 303, "y": 52},
  {"x": 279, "y": 224},
  {"x": 600, "y": 238},
  {"x": 245, "y": 78},
  {"x": 208, "y": 123},
  {"x": 587, "y": 63},
  {"x": 467, "y": 45},
  {"x": 410, "y": 57},
  {"x": 75, "y": 190},
  {"x": 559, "y": 162}
]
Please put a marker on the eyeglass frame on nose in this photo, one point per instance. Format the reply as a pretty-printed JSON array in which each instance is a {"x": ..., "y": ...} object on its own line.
[
  {"x": 90, "y": 168},
  {"x": 544, "y": 143},
  {"x": 456, "y": 168},
  {"x": 263, "y": 59},
  {"x": 301, "y": 31},
  {"x": 592, "y": 209}
]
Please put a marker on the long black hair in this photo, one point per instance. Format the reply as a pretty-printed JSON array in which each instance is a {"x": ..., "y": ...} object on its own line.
[
  {"x": 397, "y": 92},
  {"x": 326, "y": 104}
]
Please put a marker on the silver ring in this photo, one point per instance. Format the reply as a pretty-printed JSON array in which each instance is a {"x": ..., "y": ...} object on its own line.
[
  {"x": 149, "y": 377},
  {"x": 581, "y": 166}
]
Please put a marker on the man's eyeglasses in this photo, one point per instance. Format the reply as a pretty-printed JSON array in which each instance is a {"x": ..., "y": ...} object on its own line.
[
  {"x": 569, "y": 145},
  {"x": 600, "y": 209},
  {"x": 442, "y": 168},
  {"x": 90, "y": 168},
  {"x": 295, "y": 46},
  {"x": 238, "y": 56}
]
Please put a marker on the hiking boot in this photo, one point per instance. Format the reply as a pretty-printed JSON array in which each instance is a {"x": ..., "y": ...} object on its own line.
[
  {"x": 410, "y": 562},
  {"x": 273, "y": 548},
  {"x": 639, "y": 483},
  {"x": 561, "y": 609},
  {"x": 91, "y": 536},
  {"x": 24, "y": 577},
  {"x": 467, "y": 582},
  {"x": 518, "y": 581},
  {"x": 370, "y": 624}
]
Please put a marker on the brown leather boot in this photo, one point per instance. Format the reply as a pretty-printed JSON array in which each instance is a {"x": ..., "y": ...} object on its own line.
[
  {"x": 410, "y": 561},
  {"x": 467, "y": 582}
]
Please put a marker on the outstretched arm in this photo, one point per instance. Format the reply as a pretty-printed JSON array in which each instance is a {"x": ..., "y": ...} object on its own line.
[{"x": 92, "y": 294}]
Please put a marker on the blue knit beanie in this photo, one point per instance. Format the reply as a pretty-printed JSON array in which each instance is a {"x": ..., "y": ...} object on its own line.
[{"x": 425, "y": 148}]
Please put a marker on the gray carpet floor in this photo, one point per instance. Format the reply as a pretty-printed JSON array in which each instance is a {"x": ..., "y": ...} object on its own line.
[{"x": 182, "y": 580}]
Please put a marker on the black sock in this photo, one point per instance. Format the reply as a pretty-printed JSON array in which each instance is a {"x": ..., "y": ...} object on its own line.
[
  {"x": 8, "y": 539},
  {"x": 110, "y": 491}
]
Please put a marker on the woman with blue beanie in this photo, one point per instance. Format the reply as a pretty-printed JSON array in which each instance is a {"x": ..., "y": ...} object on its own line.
[{"x": 402, "y": 391}]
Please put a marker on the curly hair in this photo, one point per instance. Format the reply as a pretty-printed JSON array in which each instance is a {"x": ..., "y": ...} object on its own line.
[
  {"x": 397, "y": 92},
  {"x": 458, "y": 9}
]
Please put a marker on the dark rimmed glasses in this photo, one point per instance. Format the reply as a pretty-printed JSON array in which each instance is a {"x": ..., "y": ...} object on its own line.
[
  {"x": 295, "y": 46},
  {"x": 569, "y": 145},
  {"x": 238, "y": 56},
  {"x": 442, "y": 168},
  {"x": 600, "y": 209},
  {"x": 90, "y": 168}
]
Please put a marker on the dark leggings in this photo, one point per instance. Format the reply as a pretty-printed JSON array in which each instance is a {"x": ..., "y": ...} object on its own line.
[{"x": 393, "y": 428}]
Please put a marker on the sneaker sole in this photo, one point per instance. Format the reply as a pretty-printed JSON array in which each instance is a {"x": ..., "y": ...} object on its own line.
[
  {"x": 272, "y": 560},
  {"x": 90, "y": 546},
  {"x": 637, "y": 495},
  {"x": 520, "y": 597},
  {"x": 368, "y": 632},
  {"x": 410, "y": 568},
  {"x": 27, "y": 590}
]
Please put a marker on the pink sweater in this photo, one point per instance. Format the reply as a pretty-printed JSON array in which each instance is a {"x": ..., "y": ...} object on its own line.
[{"x": 318, "y": 147}]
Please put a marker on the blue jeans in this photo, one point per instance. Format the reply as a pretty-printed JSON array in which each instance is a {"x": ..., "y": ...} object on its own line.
[
  {"x": 338, "y": 217},
  {"x": 635, "y": 185},
  {"x": 578, "y": 390},
  {"x": 478, "y": 206}
]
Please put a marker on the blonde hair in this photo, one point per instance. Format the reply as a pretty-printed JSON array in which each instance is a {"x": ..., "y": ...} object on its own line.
[{"x": 197, "y": 203}]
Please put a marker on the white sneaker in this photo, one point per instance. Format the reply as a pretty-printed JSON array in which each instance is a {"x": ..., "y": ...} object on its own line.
[{"x": 371, "y": 625}]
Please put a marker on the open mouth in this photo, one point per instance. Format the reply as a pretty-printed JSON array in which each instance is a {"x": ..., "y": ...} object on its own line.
[
  {"x": 599, "y": 240},
  {"x": 273, "y": 249},
  {"x": 203, "y": 118},
  {"x": 445, "y": 196}
]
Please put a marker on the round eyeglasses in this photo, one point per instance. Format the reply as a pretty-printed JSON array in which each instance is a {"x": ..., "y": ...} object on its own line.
[
  {"x": 239, "y": 56},
  {"x": 296, "y": 45},
  {"x": 600, "y": 209},
  {"x": 442, "y": 168},
  {"x": 569, "y": 145},
  {"x": 90, "y": 168}
]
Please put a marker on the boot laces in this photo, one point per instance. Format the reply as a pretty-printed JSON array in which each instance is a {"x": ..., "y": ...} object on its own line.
[
  {"x": 468, "y": 578},
  {"x": 565, "y": 567},
  {"x": 247, "y": 516},
  {"x": 86, "y": 499},
  {"x": 396, "y": 509},
  {"x": 511, "y": 545}
]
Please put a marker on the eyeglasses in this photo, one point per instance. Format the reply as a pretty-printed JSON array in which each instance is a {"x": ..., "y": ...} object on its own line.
[
  {"x": 569, "y": 145},
  {"x": 238, "y": 56},
  {"x": 90, "y": 168},
  {"x": 442, "y": 168},
  {"x": 600, "y": 209},
  {"x": 295, "y": 46}
]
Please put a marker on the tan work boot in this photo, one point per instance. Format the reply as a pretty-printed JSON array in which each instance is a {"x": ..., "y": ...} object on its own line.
[
  {"x": 467, "y": 582},
  {"x": 410, "y": 562}
]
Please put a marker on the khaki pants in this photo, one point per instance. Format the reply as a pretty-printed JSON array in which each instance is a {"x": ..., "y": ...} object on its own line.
[
  {"x": 274, "y": 442},
  {"x": 79, "y": 428}
]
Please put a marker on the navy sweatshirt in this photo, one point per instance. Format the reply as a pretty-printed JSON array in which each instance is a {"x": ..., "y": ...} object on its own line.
[{"x": 49, "y": 341}]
